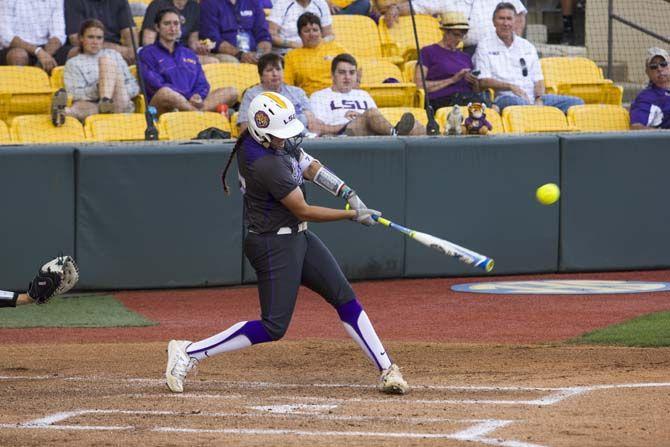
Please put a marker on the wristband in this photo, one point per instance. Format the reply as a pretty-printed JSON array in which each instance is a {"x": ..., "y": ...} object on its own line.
[
  {"x": 239, "y": 55},
  {"x": 305, "y": 161},
  {"x": 37, "y": 50}
]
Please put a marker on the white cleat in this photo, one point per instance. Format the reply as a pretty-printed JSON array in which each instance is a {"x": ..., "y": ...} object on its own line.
[
  {"x": 391, "y": 381},
  {"x": 178, "y": 365}
]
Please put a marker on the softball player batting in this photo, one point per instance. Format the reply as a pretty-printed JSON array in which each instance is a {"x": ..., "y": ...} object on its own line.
[{"x": 284, "y": 253}]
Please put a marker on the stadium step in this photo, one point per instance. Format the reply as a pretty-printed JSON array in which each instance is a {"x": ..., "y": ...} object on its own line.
[{"x": 554, "y": 50}]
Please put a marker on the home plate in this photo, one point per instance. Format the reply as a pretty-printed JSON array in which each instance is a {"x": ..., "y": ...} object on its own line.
[{"x": 561, "y": 287}]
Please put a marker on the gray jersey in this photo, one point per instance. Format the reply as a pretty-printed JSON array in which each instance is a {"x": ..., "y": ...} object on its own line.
[{"x": 266, "y": 177}]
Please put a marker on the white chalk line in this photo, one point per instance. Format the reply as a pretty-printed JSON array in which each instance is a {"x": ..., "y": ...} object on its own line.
[
  {"x": 557, "y": 394},
  {"x": 474, "y": 433}
]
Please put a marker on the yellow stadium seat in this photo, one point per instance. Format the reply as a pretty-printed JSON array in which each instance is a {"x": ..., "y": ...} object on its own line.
[
  {"x": 579, "y": 76},
  {"x": 360, "y": 36},
  {"x": 393, "y": 114},
  {"x": 399, "y": 39},
  {"x": 187, "y": 125},
  {"x": 39, "y": 129},
  {"x": 599, "y": 118},
  {"x": 4, "y": 133},
  {"x": 492, "y": 116},
  {"x": 117, "y": 127},
  {"x": 408, "y": 70},
  {"x": 23, "y": 91},
  {"x": 234, "y": 130},
  {"x": 530, "y": 119},
  {"x": 396, "y": 94},
  {"x": 240, "y": 76}
]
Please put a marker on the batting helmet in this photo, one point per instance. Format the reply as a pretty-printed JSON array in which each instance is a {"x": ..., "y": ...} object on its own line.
[{"x": 272, "y": 114}]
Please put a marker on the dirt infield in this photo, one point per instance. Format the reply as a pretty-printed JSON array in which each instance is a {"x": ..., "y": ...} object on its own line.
[{"x": 485, "y": 370}]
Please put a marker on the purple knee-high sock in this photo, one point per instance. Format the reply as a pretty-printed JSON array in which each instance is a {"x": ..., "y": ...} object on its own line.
[
  {"x": 358, "y": 326},
  {"x": 238, "y": 336}
]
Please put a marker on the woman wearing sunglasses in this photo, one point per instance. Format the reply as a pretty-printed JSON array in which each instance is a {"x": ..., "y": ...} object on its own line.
[
  {"x": 651, "y": 108},
  {"x": 448, "y": 70}
]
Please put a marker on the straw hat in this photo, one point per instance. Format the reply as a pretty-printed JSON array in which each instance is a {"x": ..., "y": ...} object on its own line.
[{"x": 454, "y": 20}]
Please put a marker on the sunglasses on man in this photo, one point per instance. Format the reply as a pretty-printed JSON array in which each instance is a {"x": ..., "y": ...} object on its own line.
[
  {"x": 656, "y": 66},
  {"x": 524, "y": 68}
]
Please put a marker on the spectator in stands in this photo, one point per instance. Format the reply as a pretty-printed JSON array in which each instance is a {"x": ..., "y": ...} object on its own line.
[
  {"x": 448, "y": 70},
  {"x": 651, "y": 108},
  {"x": 98, "y": 79},
  {"x": 172, "y": 74},
  {"x": 509, "y": 64},
  {"x": 238, "y": 29},
  {"x": 360, "y": 7},
  {"x": 189, "y": 10},
  {"x": 478, "y": 12},
  {"x": 31, "y": 33},
  {"x": 309, "y": 67},
  {"x": 114, "y": 14},
  {"x": 352, "y": 110},
  {"x": 271, "y": 71},
  {"x": 283, "y": 22}
]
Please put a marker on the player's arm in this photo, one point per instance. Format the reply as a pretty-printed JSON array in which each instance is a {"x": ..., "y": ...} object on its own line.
[
  {"x": 313, "y": 170},
  {"x": 295, "y": 203}
]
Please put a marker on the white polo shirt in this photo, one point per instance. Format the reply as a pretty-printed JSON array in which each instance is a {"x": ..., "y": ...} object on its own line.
[
  {"x": 285, "y": 13},
  {"x": 480, "y": 17},
  {"x": 435, "y": 7},
  {"x": 34, "y": 21},
  {"x": 331, "y": 106},
  {"x": 497, "y": 61}
]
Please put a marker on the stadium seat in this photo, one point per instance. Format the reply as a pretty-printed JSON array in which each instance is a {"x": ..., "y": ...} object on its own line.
[
  {"x": 393, "y": 94},
  {"x": 360, "y": 36},
  {"x": 599, "y": 118},
  {"x": 187, "y": 125},
  {"x": 117, "y": 127},
  {"x": 530, "y": 119},
  {"x": 492, "y": 116},
  {"x": 399, "y": 40},
  {"x": 4, "y": 133},
  {"x": 39, "y": 129},
  {"x": 579, "y": 76},
  {"x": 234, "y": 130},
  {"x": 240, "y": 76},
  {"x": 24, "y": 91},
  {"x": 393, "y": 114}
]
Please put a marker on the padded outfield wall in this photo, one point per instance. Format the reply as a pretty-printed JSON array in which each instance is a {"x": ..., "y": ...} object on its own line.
[{"x": 154, "y": 215}]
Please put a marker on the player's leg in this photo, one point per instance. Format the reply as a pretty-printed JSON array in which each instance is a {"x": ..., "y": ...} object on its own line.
[
  {"x": 322, "y": 274},
  {"x": 278, "y": 264}
]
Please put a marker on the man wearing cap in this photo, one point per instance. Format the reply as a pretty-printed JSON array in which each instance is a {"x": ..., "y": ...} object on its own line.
[
  {"x": 448, "y": 70},
  {"x": 509, "y": 64},
  {"x": 651, "y": 108}
]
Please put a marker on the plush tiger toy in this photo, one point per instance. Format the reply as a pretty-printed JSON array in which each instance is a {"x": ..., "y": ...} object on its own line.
[{"x": 476, "y": 122}]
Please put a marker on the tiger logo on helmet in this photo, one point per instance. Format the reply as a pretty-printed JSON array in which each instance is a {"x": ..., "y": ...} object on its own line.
[{"x": 271, "y": 114}]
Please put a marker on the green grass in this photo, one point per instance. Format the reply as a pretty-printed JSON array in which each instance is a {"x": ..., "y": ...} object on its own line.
[
  {"x": 652, "y": 330},
  {"x": 75, "y": 311}
]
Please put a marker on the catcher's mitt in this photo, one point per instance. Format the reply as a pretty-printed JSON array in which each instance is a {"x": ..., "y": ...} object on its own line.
[{"x": 54, "y": 278}]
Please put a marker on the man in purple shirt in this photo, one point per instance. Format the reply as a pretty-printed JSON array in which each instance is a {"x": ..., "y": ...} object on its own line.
[
  {"x": 237, "y": 27},
  {"x": 172, "y": 74},
  {"x": 651, "y": 108}
]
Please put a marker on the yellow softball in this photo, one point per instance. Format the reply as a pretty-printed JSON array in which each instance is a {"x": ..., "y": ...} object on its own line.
[{"x": 548, "y": 193}]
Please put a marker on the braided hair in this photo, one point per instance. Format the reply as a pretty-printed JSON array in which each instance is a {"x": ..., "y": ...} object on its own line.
[{"x": 238, "y": 143}]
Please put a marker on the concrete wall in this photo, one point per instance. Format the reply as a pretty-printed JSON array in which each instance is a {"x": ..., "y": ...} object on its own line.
[{"x": 152, "y": 216}]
